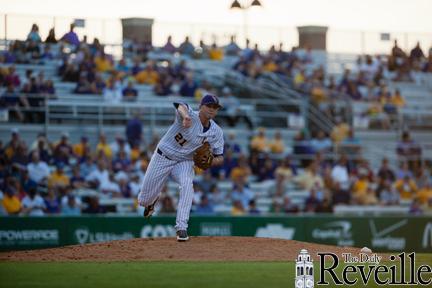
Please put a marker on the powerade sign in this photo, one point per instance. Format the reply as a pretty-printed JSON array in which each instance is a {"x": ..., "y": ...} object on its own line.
[{"x": 29, "y": 237}]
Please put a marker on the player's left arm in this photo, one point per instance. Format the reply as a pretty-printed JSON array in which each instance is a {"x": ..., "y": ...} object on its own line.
[{"x": 218, "y": 160}]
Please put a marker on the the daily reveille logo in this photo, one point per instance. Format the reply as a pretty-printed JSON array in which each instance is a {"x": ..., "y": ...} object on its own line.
[{"x": 362, "y": 268}]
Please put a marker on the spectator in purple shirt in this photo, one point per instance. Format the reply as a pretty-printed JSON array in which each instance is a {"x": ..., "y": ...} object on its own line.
[
  {"x": 232, "y": 48},
  {"x": 186, "y": 47},
  {"x": 169, "y": 47},
  {"x": 48, "y": 87},
  {"x": 417, "y": 52},
  {"x": 47, "y": 53},
  {"x": 136, "y": 68},
  {"x": 407, "y": 147},
  {"x": 52, "y": 202},
  {"x": 163, "y": 87},
  {"x": 312, "y": 202},
  {"x": 134, "y": 130},
  {"x": 12, "y": 77},
  {"x": 63, "y": 150},
  {"x": 71, "y": 37},
  {"x": 129, "y": 92},
  {"x": 189, "y": 86}
]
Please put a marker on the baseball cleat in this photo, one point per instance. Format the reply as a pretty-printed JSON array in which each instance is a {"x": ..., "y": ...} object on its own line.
[
  {"x": 148, "y": 210},
  {"x": 182, "y": 236}
]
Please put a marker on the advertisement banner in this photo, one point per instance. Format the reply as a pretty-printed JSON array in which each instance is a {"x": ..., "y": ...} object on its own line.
[{"x": 381, "y": 234}]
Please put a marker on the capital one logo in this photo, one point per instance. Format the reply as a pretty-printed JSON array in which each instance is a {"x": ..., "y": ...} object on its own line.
[
  {"x": 427, "y": 236},
  {"x": 337, "y": 231}
]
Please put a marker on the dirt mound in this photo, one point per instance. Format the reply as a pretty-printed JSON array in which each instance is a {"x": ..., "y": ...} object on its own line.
[{"x": 168, "y": 249}]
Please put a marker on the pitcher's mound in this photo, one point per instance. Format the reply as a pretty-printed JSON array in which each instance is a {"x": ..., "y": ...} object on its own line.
[{"x": 168, "y": 249}]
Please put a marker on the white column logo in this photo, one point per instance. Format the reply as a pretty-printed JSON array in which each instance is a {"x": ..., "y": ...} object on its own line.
[{"x": 304, "y": 270}]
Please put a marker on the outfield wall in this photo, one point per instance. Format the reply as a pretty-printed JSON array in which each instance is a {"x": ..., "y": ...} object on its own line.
[{"x": 378, "y": 233}]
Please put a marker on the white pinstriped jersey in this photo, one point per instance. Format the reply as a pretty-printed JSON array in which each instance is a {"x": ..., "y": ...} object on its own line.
[{"x": 179, "y": 143}]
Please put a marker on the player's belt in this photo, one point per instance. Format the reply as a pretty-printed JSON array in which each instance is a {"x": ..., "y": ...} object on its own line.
[{"x": 160, "y": 153}]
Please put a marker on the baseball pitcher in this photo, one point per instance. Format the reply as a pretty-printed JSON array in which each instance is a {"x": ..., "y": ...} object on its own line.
[{"x": 193, "y": 139}]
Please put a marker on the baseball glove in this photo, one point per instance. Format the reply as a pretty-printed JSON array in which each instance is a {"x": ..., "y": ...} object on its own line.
[{"x": 203, "y": 156}]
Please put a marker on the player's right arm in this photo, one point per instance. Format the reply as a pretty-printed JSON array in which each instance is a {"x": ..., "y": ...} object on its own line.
[{"x": 183, "y": 110}]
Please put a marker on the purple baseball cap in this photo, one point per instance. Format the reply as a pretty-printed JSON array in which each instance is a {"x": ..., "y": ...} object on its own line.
[{"x": 210, "y": 99}]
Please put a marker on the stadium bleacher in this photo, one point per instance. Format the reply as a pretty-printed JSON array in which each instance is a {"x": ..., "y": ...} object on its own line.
[{"x": 268, "y": 100}]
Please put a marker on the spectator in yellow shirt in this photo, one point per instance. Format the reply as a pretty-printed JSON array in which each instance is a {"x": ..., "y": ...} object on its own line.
[
  {"x": 277, "y": 145},
  {"x": 242, "y": 170},
  {"x": 11, "y": 202},
  {"x": 318, "y": 94},
  {"x": 135, "y": 152},
  {"x": 148, "y": 76},
  {"x": 269, "y": 65},
  {"x": 12, "y": 145},
  {"x": 299, "y": 78},
  {"x": 237, "y": 209},
  {"x": 310, "y": 178},
  {"x": 215, "y": 53},
  {"x": 406, "y": 187},
  {"x": 285, "y": 169},
  {"x": 398, "y": 99},
  {"x": 103, "y": 147},
  {"x": 425, "y": 194},
  {"x": 58, "y": 178},
  {"x": 340, "y": 132},
  {"x": 361, "y": 185},
  {"x": 83, "y": 148},
  {"x": 103, "y": 63},
  {"x": 370, "y": 197},
  {"x": 375, "y": 108},
  {"x": 259, "y": 141},
  {"x": 360, "y": 189}
]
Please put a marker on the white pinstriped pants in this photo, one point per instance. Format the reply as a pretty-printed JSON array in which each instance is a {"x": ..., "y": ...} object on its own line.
[{"x": 156, "y": 175}]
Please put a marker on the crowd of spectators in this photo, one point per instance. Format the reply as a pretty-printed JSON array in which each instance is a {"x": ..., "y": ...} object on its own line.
[
  {"x": 368, "y": 82},
  {"x": 96, "y": 72},
  {"x": 49, "y": 178},
  {"x": 45, "y": 177},
  {"x": 21, "y": 95}
]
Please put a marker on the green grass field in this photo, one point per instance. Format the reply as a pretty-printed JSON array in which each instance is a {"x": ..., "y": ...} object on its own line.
[{"x": 156, "y": 274}]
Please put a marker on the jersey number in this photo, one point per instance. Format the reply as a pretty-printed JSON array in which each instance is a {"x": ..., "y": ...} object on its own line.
[{"x": 179, "y": 138}]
